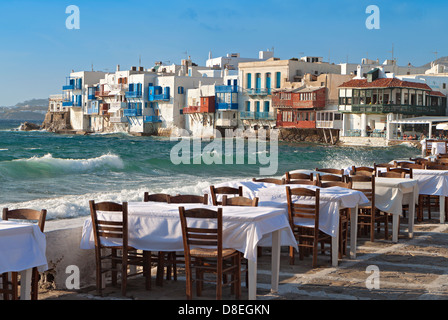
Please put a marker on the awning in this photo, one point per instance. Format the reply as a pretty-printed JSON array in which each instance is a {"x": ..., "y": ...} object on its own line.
[
  {"x": 417, "y": 120},
  {"x": 442, "y": 126}
]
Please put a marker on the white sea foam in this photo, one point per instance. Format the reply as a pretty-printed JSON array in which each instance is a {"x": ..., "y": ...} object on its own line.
[
  {"x": 74, "y": 206},
  {"x": 75, "y": 165}
]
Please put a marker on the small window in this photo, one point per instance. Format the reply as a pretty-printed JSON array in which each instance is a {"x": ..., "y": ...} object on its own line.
[{"x": 180, "y": 90}]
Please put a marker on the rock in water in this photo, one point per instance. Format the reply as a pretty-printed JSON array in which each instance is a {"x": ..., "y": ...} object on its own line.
[{"x": 28, "y": 126}]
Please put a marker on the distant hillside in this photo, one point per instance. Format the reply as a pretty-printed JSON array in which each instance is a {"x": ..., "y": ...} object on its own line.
[
  {"x": 33, "y": 110},
  {"x": 442, "y": 61}
]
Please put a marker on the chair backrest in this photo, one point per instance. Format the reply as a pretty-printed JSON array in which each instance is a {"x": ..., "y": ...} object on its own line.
[
  {"x": 239, "y": 201},
  {"x": 413, "y": 165},
  {"x": 157, "y": 197},
  {"x": 290, "y": 177},
  {"x": 224, "y": 191},
  {"x": 201, "y": 237},
  {"x": 26, "y": 214},
  {"x": 305, "y": 182},
  {"x": 299, "y": 209},
  {"x": 384, "y": 165},
  {"x": 420, "y": 160},
  {"x": 441, "y": 155},
  {"x": 270, "y": 180},
  {"x": 331, "y": 177},
  {"x": 362, "y": 170},
  {"x": 188, "y": 198},
  {"x": 368, "y": 186},
  {"x": 116, "y": 229},
  {"x": 442, "y": 160},
  {"x": 406, "y": 171},
  {"x": 330, "y": 170},
  {"x": 436, "y": 167},
  {"x": 388, "y": 174},
  {"x": 342, "y": 184}
]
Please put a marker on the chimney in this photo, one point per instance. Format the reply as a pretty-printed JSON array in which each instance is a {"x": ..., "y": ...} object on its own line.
[{"x": 118, "y": 67}]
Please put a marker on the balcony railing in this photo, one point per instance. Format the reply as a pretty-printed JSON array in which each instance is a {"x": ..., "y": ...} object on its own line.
[
  {"x": 152, "y": 119},
  {"x": 249, "y": 115},
  {"x": 226, "y": 89},
  {"x": 159, "y": 97},
  {"x": 68, "y": 87},
  {"x": 118, "y": 120},
  {"x": 227, "y": 106},
  {"x": 101, "y": 93},
  {"x": 192, "y": 109},
  {"x": 393, "y": 108},
  {"x": 133, "y": 94},
  {"x": 132, "y": 112},
  {"x": 67, "y": 103},
  {"x": 93, "y": 110},
  {"x": 259, "y": 91}
]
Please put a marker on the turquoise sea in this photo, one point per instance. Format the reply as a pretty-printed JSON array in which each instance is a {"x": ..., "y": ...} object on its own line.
[{"x": 61, "y": 173}]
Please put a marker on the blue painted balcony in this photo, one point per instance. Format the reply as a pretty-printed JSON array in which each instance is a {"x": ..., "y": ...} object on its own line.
[
  {"x": 226, "y": 89},
  {"x": 133, "y": 94},
  {"x": 93, "y": 109},
  {"x": 67, "y": 103},
  {"x": 157, "y": 94},
  {"x": 226, "y": 106},
  {"x": 68, "y": 87},
  {"x": 152, "y": 119},
  {"x": 132, "y": 112}
]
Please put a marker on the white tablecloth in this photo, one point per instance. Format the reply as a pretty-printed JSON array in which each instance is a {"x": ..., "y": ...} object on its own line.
[
  {"x": 250, "y": 188},
  {"x": 156, "y": 227},
  {"x": 438, "y": 148},
  {"x": 390, "y": 193},
  {"x": 432, "y": 182},
  {"x": 331, "y": 201},
  {"x": 22, "y": 247}
]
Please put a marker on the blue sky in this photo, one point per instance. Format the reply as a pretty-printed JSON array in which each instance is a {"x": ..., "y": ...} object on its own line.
[{"x": 37, "y": 51}]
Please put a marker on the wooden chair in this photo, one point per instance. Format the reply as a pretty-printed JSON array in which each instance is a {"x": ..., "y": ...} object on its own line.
[
  {"x": 116, "y": 231},
  {"x": 368, "y": 214},
  {"x": 10, "y": 288},
  {"x": 420, "y": 160},
  {"x": 187, "y": 198},
  {"x": 204, "y": 252},
  {"x": 270, "y": 180},
  {"x": 330, "y": 170},
  {"x": 342, "y": 184},
  {"x": 413, "y": 166},
  {"x": 224, "y": 191},
  {"x": 382, "y": 165},
  {"x": 436, "y": 167},
  {"x": 164, "y": 259},
  {"x": 366, "y": 171},
  {"x": 406, "y": 171},
  {"x": 389, "y": 174},
  {"x": 305, "y": 182},
  {"x": 242, "y": 201},
  {"x": 290, "y": 177},
  {"x": 307, "y": 237},
  {"x": 157, "y": 197},
  {"x": 330, "y": 178},
  {"x": 239, "y": 201},
  {"x": 443, "y": 161}
]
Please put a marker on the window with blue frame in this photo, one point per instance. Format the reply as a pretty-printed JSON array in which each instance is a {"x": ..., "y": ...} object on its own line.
[
  {"x": 247, "y": 106},
  {"x": 249, "y": 81},
  {"x": 278, "y": 80},
  {"x": 266, "y": 106}
]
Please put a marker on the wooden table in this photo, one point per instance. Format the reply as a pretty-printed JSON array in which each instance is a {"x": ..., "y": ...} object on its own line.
[
  {"x": 22, "y": 247},
  {"x": 155, "y": 226}
]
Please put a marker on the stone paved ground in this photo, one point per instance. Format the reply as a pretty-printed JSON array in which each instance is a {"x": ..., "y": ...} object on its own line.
[{"x": 409, "y": 270}]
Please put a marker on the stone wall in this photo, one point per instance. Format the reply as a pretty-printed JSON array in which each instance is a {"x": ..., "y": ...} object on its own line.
[
  {"x": 57, "y": 121},
  {"x": 330, "y": 136}
]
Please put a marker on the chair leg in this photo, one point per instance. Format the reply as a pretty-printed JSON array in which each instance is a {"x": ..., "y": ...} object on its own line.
[
  {"x": 147, "y": 269},
  {"x": 35, "y": 284},
  {"x": 291, "y": 255},
  {"x": 124, "y": 275}
]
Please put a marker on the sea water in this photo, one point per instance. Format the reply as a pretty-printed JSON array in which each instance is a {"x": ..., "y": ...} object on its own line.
[{"x": 61, "y": 173}]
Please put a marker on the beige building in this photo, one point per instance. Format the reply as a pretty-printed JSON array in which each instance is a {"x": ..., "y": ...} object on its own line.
[{"x": 258, "y": 80}]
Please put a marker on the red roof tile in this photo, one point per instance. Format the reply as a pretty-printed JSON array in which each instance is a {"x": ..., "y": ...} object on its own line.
[
  {"x": 384, "y": 83},
  {"x": 437, "y": 93}
]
